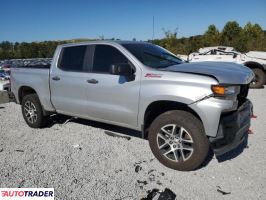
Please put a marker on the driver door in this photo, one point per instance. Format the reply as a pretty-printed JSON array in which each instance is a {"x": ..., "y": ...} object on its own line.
[{"x": 112, "y": 98}]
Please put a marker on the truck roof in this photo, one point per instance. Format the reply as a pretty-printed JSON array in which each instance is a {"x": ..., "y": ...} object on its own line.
[{"x": 102, "y": 42}]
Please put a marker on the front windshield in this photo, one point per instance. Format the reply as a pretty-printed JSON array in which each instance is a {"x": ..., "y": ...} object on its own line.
[{"x": 152, "y": 55}]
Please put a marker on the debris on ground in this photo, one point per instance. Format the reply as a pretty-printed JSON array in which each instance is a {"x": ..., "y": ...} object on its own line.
[
  {"x": 151, "y": 194},
  {"x": 152, "y": 177},
  {"x": 77, "y": 146},
  {"x": 119, "y": 170},
  {"x": 221, "y": 191},
  {"x": 159, "y": 182},
  {"x": 167, "y": 194},
  {"x": 19, "y": 150},
  {"x": 113, "y": 134},
  {"x": 138, "y": 163},
  {"x": 68, "y": 120},
  {"x": 75, "y": 181},
  {"x": 21, "y": 184},
  {"x": 150, "y": 171},
  {"x": 138, "y": 168},
  {"x": 156, "y": 194},
  {"x": 142, "y": 182}
]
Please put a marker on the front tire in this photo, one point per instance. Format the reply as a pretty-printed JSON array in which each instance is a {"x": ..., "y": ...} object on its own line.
[
  {"x": 32, "y": 111},
  {"x": 178, "y": 141},
  {"x": 259, "y": 79}
]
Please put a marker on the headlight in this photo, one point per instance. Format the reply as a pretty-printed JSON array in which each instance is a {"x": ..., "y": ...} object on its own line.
[{"x": 220, "y": 90}]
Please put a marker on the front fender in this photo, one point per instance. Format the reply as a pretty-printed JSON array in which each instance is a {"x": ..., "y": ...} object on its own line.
[
  {"x": 185, "y": 93},
  {"x": 209, "y": 111}
]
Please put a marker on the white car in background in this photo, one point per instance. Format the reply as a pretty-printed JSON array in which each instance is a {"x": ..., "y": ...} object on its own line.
[
  {"x": 4, "y": 85},
  {"x": 4, "y": 94},
  {"x": 255, "y": 60},
  {"x": 4, "y": 74}
]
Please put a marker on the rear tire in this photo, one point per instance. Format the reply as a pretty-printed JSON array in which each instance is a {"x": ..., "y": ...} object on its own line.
[
  {"x": 186, "y": 140},
  {"x": 259, "y": 79},
  {"x": 32, "y": 111}
]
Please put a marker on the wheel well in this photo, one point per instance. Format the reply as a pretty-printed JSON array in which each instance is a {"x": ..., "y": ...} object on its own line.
[
  {"x": 158, "y": 107},
  {"x": 253, "y": 65},
  {"x": 25, "y": 90}
]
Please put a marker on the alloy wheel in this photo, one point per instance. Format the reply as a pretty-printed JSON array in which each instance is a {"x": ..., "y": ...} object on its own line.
[
  {"x": 175, "y": 143},
  {"x": 30, "y": 112}
]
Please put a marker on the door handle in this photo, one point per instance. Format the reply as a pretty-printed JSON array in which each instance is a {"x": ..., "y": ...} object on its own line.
[
  {"x": 56, "y": 78},
  {"x": 92, "y": 81}
]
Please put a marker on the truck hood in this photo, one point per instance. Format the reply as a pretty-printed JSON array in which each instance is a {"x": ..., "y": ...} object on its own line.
[{"x": 223, "y": 72}]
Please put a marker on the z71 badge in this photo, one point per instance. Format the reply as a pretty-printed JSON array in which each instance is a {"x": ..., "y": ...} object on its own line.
[{"x": 148, "y": 75}]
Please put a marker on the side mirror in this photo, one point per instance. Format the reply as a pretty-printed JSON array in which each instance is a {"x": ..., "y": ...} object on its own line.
[{"x": 123, "y": 69}]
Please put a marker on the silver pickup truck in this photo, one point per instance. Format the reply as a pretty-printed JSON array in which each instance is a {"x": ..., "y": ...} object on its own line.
[{"x": 183, "y": 109}]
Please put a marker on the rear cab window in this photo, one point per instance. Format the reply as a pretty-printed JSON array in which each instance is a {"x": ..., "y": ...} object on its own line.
[{"x": 73, "y": 59}]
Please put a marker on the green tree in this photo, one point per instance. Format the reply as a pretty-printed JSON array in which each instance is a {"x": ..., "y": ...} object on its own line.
[
  {"x": 6, "y": 50},
  {"x": 194, "y": 43},
  {"x": 211, "y": 37},
  {"x": 230, "y": 34},
  {"x": 253, "y": 36},
  {"x": 17, "y": 53},
  {"x": 170, "y": 42}
]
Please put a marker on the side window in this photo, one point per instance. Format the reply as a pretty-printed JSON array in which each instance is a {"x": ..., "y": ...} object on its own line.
[
  {"x": 72, "y": 58},
  {"x": 105, "y": 56}
]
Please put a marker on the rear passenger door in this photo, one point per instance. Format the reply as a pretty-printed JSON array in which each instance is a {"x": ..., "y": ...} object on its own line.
[
  {"x": 112, "y": 98},
  {"x": 68, "y": 80}
]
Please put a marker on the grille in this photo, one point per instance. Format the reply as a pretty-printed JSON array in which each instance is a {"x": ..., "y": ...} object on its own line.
[{"x": 242, "y": 96}]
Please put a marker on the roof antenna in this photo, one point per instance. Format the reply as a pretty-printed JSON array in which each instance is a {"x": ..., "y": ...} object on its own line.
[{"x": 152, "y": 28}]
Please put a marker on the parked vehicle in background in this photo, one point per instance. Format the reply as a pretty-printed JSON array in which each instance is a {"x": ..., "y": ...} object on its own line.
[
  {"x": 24, "y": 62},
  {"x": 4, "y": 85},
  {"x": 4, "y": 92},
  {"x": 182, "y": 57},
  {"x": 181, "y": 108},
  {"x": 4, "y": 75},
  {"x": 255, "y": 60}
]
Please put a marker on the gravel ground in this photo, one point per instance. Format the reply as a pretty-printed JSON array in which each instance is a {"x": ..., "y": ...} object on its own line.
[{"x": 81, "y": 160}]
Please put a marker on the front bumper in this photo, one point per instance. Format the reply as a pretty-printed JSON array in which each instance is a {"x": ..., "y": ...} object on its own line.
[{"x": 233, "y": 129}]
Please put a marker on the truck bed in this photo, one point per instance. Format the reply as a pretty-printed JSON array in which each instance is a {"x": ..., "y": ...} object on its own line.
[
  {"x": 35, "y": 77},
  {"x": 34, "y": 66}
]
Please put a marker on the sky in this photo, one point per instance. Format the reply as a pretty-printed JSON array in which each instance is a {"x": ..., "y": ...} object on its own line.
[{"x": 39, "y": 20}]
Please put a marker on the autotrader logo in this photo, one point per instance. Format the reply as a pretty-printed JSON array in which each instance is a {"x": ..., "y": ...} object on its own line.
[{"x": 27, "y": 193}]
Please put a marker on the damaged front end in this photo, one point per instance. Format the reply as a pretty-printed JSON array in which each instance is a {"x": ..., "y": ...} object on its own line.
[
  {"x": 234, "y": 125},
  {"x": 226, "y": 116},
  {"x": 233, "y": 129}
]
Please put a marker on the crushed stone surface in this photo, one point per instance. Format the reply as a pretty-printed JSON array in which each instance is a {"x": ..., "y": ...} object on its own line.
[{"x": 81, "y": 160}]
